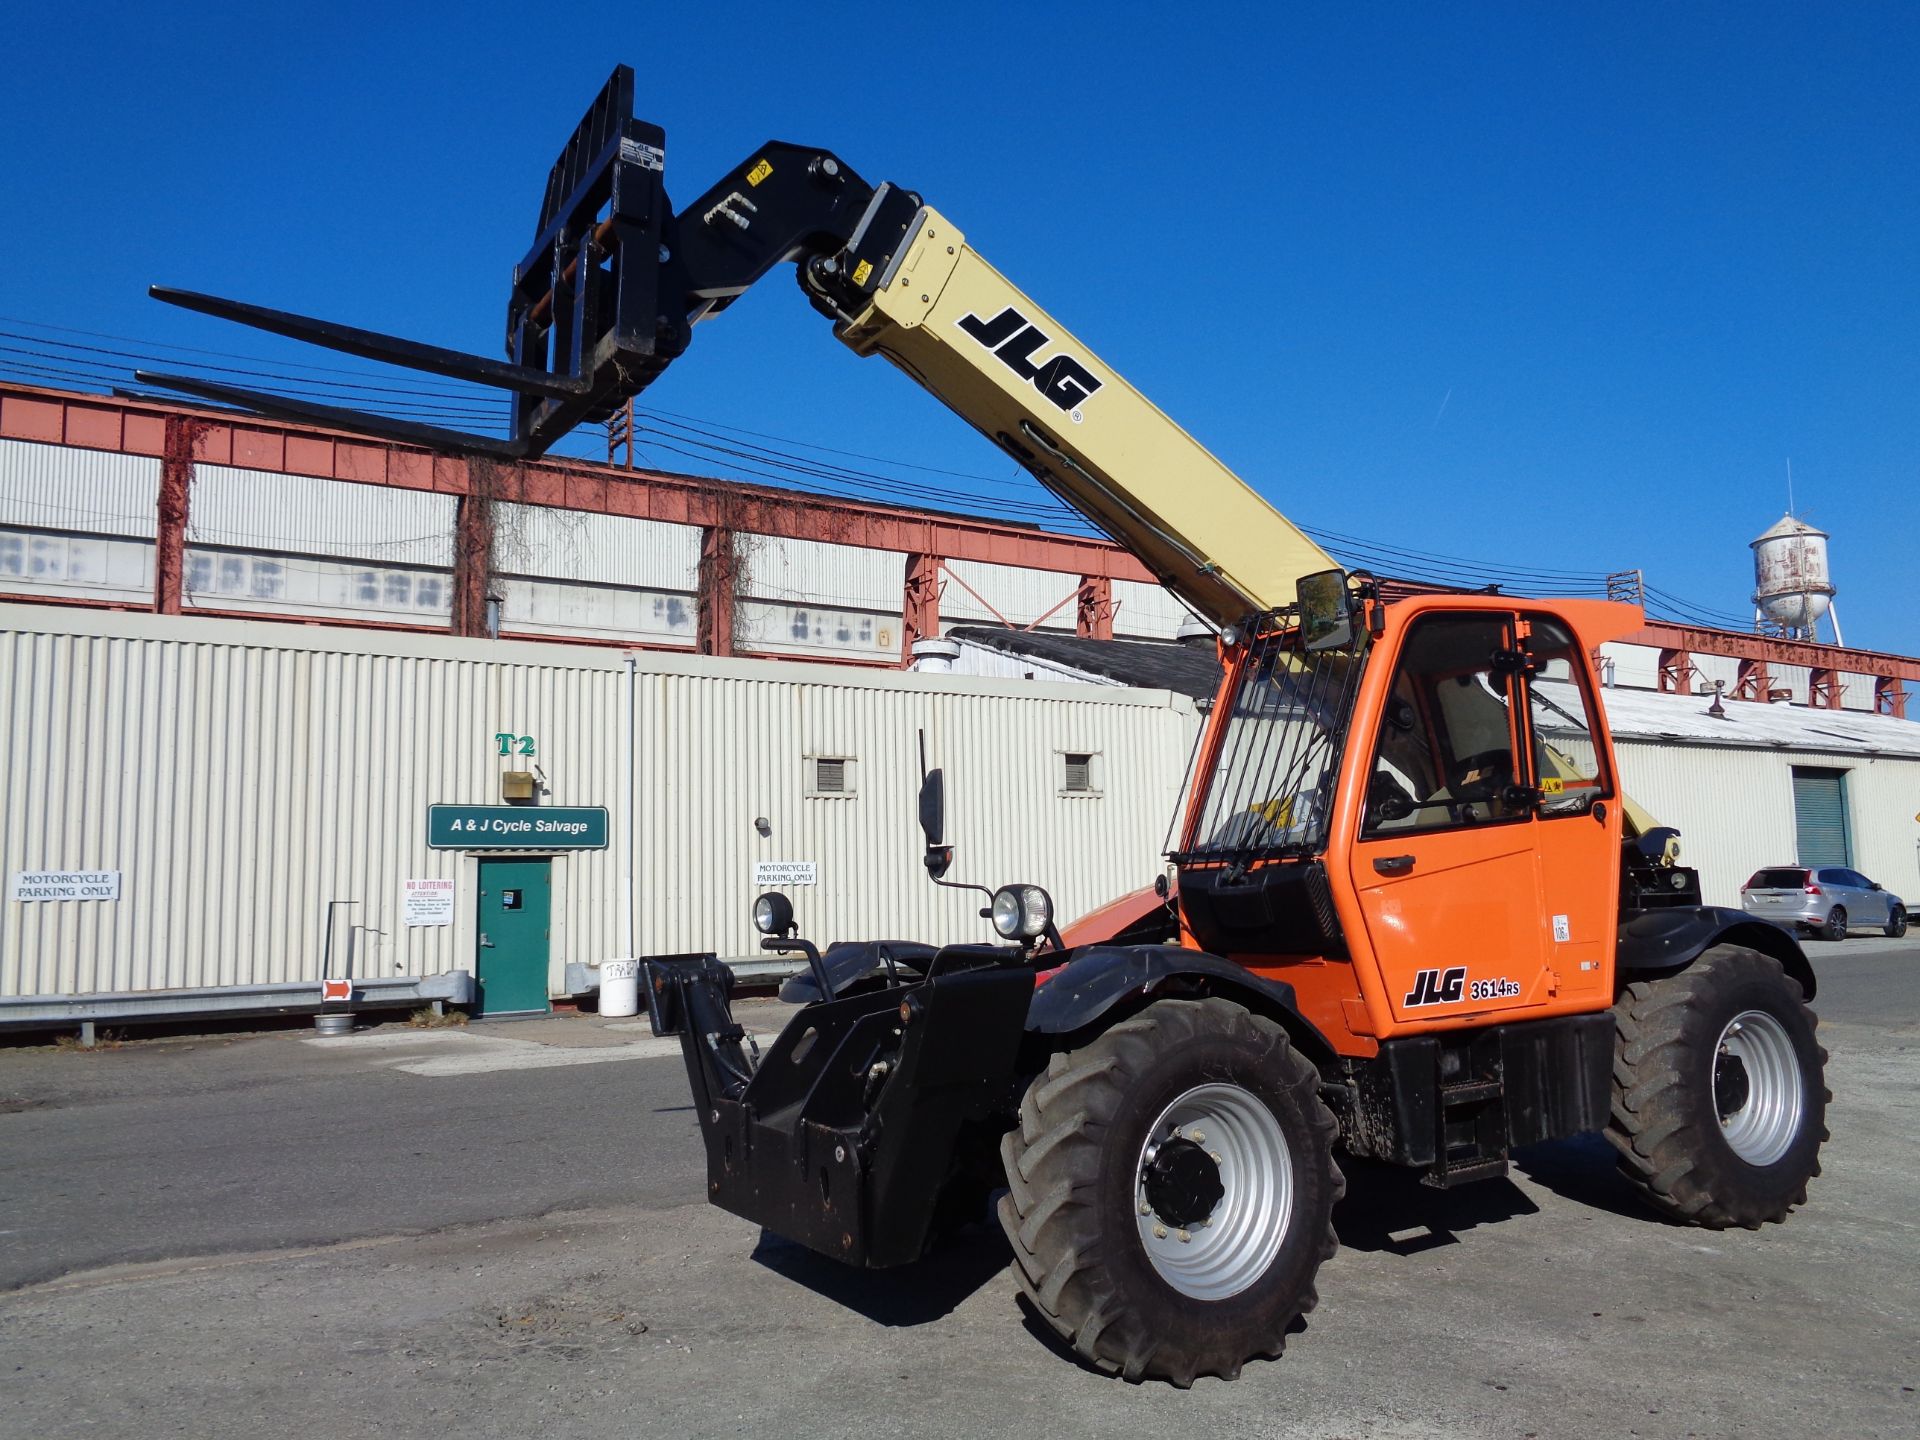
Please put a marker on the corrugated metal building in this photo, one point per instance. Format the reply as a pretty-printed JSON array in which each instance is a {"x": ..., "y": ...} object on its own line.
[
  {"x": 239, "y": 776},
  {"x": 1728, "y": 784}
]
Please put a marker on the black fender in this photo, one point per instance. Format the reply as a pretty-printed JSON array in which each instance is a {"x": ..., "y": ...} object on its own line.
[
  {"x": 1666, "y": 941},
  {"x": 1109, "y": 982},
  {"x": 851, "y": 960}
]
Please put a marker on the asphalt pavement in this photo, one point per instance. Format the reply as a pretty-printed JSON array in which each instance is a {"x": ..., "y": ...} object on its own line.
[{"x": 500, "y": 1230}]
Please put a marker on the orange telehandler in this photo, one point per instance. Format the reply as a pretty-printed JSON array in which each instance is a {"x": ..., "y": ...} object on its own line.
[{"x": 1413, "y": 918}]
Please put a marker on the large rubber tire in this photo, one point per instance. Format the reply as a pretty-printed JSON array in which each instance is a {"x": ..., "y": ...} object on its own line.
[
  {"x": 1072, "y": 1207},
  {"x": 1675, "y": 1147},
  {"x": 1897, "y": 922},
  {"x": 1836, "y": 925}
]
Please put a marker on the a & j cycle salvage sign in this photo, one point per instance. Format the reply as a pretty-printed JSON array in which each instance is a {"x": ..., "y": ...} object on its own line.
[{"x": 517, "y": 827}]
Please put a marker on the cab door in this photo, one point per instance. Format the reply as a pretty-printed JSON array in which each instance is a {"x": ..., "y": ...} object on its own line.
[
  {"x": 1577, "y": 828},
  {"x": 1445, "y": 865}
]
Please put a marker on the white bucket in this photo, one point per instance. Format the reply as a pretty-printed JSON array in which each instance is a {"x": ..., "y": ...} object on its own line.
[{"x": 620, "y": 987}]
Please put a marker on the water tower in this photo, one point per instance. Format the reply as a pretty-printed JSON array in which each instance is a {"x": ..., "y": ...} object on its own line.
[{"x": 1792, "y": 587}]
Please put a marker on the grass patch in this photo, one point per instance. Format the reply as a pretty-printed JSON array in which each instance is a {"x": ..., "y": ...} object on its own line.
[{"x": 425, "y": 1019}]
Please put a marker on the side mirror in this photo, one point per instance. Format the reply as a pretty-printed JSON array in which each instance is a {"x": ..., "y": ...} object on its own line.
[
  {"x": 933, "y": 822},
  {"x": 933, "y": 806},
  {"x": 1326, "y": 610}
]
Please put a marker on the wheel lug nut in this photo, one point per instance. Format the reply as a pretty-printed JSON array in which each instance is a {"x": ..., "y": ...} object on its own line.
[
  {"x": 1159, "y": 1232},
  {"x": 1198, "y": 1138},
  {"x": 1216, "y": 1156},
  {"x": 1183, "y": 1236},
  {"x": 1146, "y": 1209}
]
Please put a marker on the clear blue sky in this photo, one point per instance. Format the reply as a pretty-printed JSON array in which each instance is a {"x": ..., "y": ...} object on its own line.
[{"x": 1547, "y": 284}]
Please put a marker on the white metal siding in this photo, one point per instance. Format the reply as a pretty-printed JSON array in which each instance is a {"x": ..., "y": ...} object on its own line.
[
  {"x": 814, "y": 572},
  {"x": 557, "y": 607},
  {"x": 1859, "y": 692},
  {"x": 1021, "y": 595},
  {"x": 542, "y": 542},
  {"x": 1709, "y": 668},
  {"x": 1146, "y": 611},
  {"x": 94, "y": 567},
  {"x": 256, "y": 510},
  {"x": 241, "y": 775},
  {"x": 240, "y": 786},
  {"x": 1790, "y": 677},
  {"x": 308, "y": 585},
  {"x": 1635, "y": 666},
  {"x": 716, "y": 755},
  {"x": 765, "y": 628},
  {"x": 59, "y": 487},
  {"x": 1734, "y": 810}
]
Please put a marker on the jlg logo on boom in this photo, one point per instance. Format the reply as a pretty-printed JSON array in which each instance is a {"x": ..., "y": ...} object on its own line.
[
  {"x": 1437, "y": 987},
  {"x": 1014, "y": 339}
]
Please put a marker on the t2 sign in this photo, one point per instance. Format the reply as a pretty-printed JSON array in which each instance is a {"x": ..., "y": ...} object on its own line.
[{"x": 511, "y": 744}]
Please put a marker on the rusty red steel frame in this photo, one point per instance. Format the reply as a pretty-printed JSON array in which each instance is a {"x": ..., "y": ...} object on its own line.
[{"x": 216, "y": 437}]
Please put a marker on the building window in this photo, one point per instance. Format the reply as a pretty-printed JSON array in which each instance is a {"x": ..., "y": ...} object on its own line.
[
  {"x": 830, "y": 776},
  {"x": 1078, "y": 772}
]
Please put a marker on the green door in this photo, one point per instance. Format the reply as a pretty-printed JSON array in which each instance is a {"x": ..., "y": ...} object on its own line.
[
  {"x": 1820, "y": 816},
  {"x": 516, "y": 901}
]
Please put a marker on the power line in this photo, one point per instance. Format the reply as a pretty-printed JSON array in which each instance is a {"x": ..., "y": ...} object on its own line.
[
  {"x": 824, "y": 449},
  {"x": 97, "y": 373},
  {"x": 712, "y": 442},
  {"x": 193, "y": 350},
  {"x": 322, "y": 385}
]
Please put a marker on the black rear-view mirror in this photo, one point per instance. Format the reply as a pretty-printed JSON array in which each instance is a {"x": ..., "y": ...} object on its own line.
[{"x": 1326, "y": 610}]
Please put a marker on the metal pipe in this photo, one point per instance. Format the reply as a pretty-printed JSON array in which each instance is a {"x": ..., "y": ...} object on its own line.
[
  {"x": 629, "y": 921},
  {"x": 326, "y": 946},
  {"x": 543, "y": 307}
]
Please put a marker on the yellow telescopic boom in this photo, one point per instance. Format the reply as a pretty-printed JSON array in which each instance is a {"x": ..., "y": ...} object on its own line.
[{"x": 970, "y": 337}]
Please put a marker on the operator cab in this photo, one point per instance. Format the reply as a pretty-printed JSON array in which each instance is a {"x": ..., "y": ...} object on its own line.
[{"x": 1419, "y": 790}]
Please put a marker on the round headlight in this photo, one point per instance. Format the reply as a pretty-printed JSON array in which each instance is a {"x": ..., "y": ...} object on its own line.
[
  {"x": 1021, "y": 912},
  {"x": 772, "y": 913}
]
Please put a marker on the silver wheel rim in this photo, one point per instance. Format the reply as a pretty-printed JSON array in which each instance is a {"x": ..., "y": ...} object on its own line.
[
  {"x": 1762, "y": 1129},
  {"x": 1232, "y": 1248}
]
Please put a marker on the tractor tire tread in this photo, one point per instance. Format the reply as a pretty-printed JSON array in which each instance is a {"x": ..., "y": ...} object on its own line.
[
  {"x": 1662, "y": 1152},
  {"x": 1052, "y": 1161}
]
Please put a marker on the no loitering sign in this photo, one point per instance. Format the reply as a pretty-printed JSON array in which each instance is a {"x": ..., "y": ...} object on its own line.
[{"x": 66, "y": 884}]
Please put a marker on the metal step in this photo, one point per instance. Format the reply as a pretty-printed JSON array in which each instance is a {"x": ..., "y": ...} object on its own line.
[
  {"x": 1444, "y": 1176},
  {"x": 1470, "y": 1092}
]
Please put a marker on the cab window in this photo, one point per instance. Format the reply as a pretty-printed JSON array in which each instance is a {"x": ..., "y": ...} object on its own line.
[
  {"x": 1567, "y": 769},
  {"x": 1444, "y": 755}
]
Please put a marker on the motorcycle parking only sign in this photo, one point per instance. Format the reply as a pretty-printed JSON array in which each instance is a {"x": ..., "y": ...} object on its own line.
[
  {"x": 771, "y": 873},
  {"x": 66, "y": 884}
]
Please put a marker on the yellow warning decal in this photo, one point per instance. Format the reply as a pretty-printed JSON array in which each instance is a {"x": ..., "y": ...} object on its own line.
[
  {"x": 1552, "y": 784},
  {"x": 761, "y": 169},
  {"x": 862, "y": 271}
]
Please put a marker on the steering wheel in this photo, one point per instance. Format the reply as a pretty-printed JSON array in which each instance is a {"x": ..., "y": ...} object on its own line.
[{"x": 1482, "y": 776}]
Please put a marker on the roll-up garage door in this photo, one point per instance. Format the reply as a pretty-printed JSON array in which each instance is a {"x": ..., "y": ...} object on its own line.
[{"x": 1820, "y": 816}]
